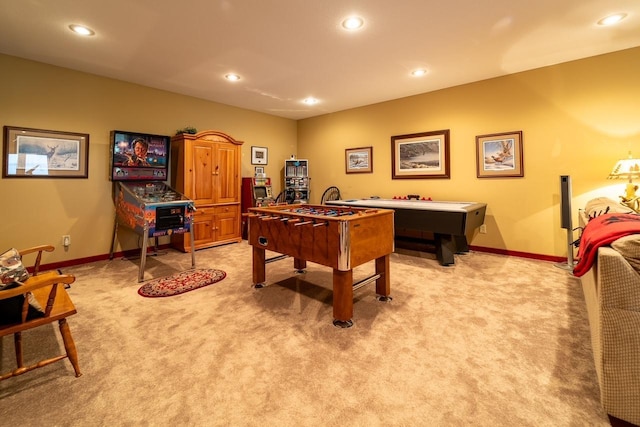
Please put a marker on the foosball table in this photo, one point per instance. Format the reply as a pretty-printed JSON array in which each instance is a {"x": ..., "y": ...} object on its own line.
[{"x": 338, "y": 237}]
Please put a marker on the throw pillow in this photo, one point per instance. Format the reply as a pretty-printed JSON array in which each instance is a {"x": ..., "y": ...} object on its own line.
[
  {"x": 11, "y": 268},
  {"x": 602, "y": 205},
  {"x": 629, "y": 248},
  {"x": 12, "y": 274}
]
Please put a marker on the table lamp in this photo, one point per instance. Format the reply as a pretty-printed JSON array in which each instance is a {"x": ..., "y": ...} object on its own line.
[{"x": 628, "y": 169}]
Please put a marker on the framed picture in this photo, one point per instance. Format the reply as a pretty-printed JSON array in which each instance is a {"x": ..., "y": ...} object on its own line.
[
  {"x": 499, "y": 155},
  {"x": 259, "y": 155},
  {"x": 420, "y": 155},
  {"x": 259, "y": 171},
  {"x": 39, "y": 153},
  {"x": 359, "y": 160}
]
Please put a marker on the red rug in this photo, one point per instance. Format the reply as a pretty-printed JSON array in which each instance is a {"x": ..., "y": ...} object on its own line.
[{"x": 180, "y": 283}]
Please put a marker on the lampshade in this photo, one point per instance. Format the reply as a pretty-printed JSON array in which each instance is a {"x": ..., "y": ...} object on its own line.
[{"x": 626, "y": 169}]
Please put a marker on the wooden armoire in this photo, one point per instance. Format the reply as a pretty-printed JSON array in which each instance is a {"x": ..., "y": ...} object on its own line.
[{"x": 206, "y": 168}]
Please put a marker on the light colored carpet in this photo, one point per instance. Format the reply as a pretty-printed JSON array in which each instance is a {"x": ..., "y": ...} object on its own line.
[{"x": 491, "y": 341}]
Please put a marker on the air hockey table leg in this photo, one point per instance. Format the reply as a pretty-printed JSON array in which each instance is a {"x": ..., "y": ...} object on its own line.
[
  {"x": 462, "y": 246},
  {"x": 259, "y": 269},
  {"x": 445, "y": 248},
  {"x": 342, "y": 298}
]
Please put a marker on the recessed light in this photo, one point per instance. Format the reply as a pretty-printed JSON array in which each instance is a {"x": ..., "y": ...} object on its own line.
[
  {"x": 232, "y": 77},
  {"x": 310, "y": 100},
  {"x": 419, "y": 72},
  {"x": 353, "y": 23},
  {"x": 612, "y": 19},
  {"x": 81, "y": 30}
]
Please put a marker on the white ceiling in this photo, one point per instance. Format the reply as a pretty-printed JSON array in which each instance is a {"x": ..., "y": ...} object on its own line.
[{"x": 286, "y": 50}]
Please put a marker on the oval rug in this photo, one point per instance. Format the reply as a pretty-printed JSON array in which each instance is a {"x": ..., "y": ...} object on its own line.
[{"x": 182, "y": 282}]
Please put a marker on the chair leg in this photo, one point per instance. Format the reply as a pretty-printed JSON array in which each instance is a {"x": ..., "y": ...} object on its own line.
[
  {"x": 17, "y": 343},
  {"x": 69, "y": 345}
]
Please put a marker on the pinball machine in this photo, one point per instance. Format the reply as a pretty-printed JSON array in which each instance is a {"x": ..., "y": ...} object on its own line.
[{"x": 144, "y": 203}]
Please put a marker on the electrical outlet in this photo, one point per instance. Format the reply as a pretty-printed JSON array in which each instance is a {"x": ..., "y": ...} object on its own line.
[
  {"x": 66, "y": 240},
  {"x": 483, "y": 229}
]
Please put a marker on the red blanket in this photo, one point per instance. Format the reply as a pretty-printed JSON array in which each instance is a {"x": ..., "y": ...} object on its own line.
[{"x": 600, "y": 231}]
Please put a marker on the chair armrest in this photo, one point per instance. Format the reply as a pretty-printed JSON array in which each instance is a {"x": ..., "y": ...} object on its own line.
[
  {"x": 619, "y": 283},
  {"x": 39, "y": 250},
  {"x": 36, "y": 282}
]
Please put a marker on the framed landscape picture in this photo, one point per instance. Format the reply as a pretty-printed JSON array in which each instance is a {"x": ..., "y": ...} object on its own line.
[{"x": 420, "y": 155}]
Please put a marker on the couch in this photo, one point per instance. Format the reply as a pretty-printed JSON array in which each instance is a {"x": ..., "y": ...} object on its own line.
[{"x": 611, "y": 289}]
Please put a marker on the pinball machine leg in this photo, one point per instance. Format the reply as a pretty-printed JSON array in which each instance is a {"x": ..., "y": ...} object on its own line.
[
  {"x": 193, "y": 249},
  {"x": 143, "y": 253},
  {"x": 113, "y": 238}
]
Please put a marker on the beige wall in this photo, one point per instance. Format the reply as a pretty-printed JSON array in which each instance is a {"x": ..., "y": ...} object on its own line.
[
  {"x": 34, "y": 95},
  {"x": 577, "y": 118}
]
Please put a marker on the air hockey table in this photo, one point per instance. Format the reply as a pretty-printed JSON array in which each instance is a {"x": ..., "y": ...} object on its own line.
[{"x": 448, "y": 221}]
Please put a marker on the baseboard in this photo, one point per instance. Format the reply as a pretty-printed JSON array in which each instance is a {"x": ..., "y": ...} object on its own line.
[{"x": 405, "y": 243}]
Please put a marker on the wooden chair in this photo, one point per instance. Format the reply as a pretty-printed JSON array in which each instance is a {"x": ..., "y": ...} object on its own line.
[
  {"x": 331, "y": 193},
  {"x": 48, "y": 289},
  {"x": 285, "y": 197}
]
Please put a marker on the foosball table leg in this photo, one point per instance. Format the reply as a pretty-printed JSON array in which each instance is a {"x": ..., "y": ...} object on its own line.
[
  {"x": 342, "y": 298},
  {"x": 300, "y": 265},
  {"x": 383, "y": 283},
  {"x": 259, "y": 269}
]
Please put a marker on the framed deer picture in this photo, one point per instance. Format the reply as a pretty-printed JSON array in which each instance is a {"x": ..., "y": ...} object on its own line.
[
  {"x": 39, "y": 153},
  {"x": 499, "y": 155}
]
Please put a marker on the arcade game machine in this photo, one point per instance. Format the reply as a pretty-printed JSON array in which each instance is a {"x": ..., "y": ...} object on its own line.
[
  {"x": 256, "y": 192},
  {"x": 144, "y": 203},
  {"x": 296, "y": 179}
]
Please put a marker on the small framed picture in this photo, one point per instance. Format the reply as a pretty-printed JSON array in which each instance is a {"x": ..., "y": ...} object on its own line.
[
  {"x": 259, "y": 155},
  {"x": 259, "y": 171},
  {"x": 359, "y": 160},
  {"x": 499, "y": 155}
]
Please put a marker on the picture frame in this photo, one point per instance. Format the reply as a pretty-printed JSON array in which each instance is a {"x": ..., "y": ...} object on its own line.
[
  {"x": 423, "y": 155},
  {"x": 40, "y": 153},
  {"x": 259, "y": 155},
  {"x": 500, "y": 155},
  {"x": 259, "y": 171},
  {"x": 358, "y": 160}
]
